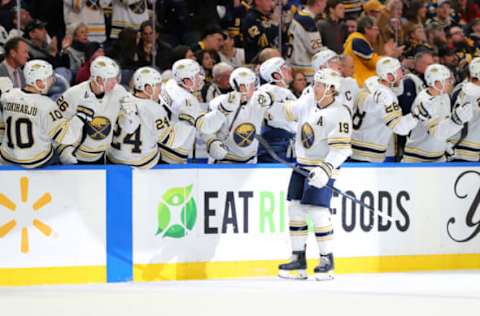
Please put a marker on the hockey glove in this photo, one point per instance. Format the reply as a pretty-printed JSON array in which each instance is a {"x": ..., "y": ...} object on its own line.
[
  {"x": 217, "y": 150},
  {"x": 85, "y": 114},
  {"x": 67, "y": 157},
  {"x": 420, "y": 113},
  {"x": 320, "y": 175},
  {"x": 462, "y": 113}
]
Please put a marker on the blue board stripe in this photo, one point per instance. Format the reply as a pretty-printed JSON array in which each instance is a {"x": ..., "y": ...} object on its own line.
[{"x": 119, "y": 224}]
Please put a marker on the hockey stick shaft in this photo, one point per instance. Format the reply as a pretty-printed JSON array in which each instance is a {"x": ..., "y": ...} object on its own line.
[{"x": 306, "y": 173}]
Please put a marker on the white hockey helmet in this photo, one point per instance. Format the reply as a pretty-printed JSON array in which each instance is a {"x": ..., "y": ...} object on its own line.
[
  {"x": 437, "y": 72},
  {"x": 146, "y": 76},
  {"x": 242, "y": 76},
  {"x": 321, "y": 59},
  {"x": 328, "y": 77},
  {"x": 185, "y": 69},
  {"x": 37, "y": 69},
  {"x": 105, "y": 68},
  {"x": 270, "y": 67},
  {"x": 474, "y": 68},
  {"x": 388, "y": 66}
]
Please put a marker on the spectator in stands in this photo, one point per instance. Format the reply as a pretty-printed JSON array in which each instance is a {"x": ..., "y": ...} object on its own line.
[
  {"x": 353, "y": 8},
  {"x": 207, "y": 58},
  {"x": 422, "y": 61},
  {"x": 146, "y": 44},
  {"x": 443, "y": 14},
  {"x": 258, "y": 28},
  {"x": 358, "y": 46},
  {"x": 92, "y": 51},
  {"x": 463, "y": 46},
  {"x": 450, "y": 58},
  {"x": 16, "y": 56},
  {"x": 220, "y": 82},
  {"x": 350, "y": 25},
  {"x": 416, "y": 40},
  {"x": 390, "y": 23},
  {"x": 39, "y": 48},
  {"x": 475, "y": 33},
  {"x": 436, "y": 36},
  {"x": 416, "y": 12},
  {"x": 127, "y": 14},
  {"x": 234, "y": 12},
  {"x": 124, "y": 50},
  {"x": 332, "y": 30},
  {"x": 212, "y": 39},
  {"x": 89, "y": 12},
  {"x": 373, "y": 9},
  {"x": 468, "y": 10},
  {"x": 230, "y": 54},
  {"x": 76, "y": 52},
  {"x": 25, "y": 19},
  {"x": 298, "y": 84}
]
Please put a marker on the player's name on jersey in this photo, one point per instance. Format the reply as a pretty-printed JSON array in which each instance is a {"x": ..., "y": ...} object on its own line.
[{"x": 20, "y": 108}]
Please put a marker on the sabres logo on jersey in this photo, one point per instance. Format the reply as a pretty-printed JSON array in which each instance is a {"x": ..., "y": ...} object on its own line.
[
  {"x": 308, "y": 135},
  {"x": 244, "y": 134},
  {"x": 99, "y": 128}
]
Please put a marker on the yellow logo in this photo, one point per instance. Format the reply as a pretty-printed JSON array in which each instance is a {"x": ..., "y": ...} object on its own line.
[{"x": 43, "y": 200}]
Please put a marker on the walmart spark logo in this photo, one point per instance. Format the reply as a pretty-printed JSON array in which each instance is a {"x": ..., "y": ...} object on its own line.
[{"x": 25, "y": 219}]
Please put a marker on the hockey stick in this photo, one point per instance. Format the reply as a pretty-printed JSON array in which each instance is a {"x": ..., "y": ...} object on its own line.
[{"x": 306, "y": 173}]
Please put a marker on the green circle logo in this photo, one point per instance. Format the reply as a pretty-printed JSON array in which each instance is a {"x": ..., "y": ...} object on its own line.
[{"x": 176, "y": 200}]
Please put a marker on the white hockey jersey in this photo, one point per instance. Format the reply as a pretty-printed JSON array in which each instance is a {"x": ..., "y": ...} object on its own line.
[
  {"x": 97, "y": 134},
  {"x": 468, "y": 148},
  {"x": 128, "y": 13},
  {"x": 188, "y": 116},
  {"x": 323, "y": 134},
  {"x": 304, "y": 41},
  {"x": 89, "y": 12},
  {"x": 428, "y": 141},
  {"x": 243, "y": 121},
  {"x": 376, "y": 116},
  {"x": 33, "y": 127}
]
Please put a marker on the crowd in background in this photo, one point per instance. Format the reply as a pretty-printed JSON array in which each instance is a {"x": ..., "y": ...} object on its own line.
[{"x": 223, "y": 35}]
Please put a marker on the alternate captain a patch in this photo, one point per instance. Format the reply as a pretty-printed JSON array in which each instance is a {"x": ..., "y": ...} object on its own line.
[
  {"x": 244, "y": 134},
  {"x": 99, "y": 128}
]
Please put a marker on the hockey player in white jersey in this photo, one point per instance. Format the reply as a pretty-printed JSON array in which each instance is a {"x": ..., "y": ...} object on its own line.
[
  {"x": 279, "y": 134},
  {"x": 304, "y": 39},
  {"x": 187, "y": 113},
  {"x": 377, "y": 115},
  {"x": 33, "y": 125},
  {"x": 428, "y": 141},
  {"x": 98, "y": 98},
  {"x": 467, "y": 141},
  {"x": 322, "y": 145},
  {"x": 244, "y": 110},
  {"x": 143, "y": 123},
  {"x": 349, "y": 89}
]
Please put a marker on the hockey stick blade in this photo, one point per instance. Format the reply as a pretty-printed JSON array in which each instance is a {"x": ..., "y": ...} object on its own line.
[{"x": 306, "y": 173}]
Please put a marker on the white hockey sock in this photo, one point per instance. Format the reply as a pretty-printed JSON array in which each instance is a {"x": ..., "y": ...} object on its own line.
[
  {"x": 322, "y": 220},
  {"x": 297, "y": 225}
]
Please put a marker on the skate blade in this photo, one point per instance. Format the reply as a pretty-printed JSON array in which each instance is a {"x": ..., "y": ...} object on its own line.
[
  {"x": 326, "y": 276},
  {"x": 293, "y": 274}
]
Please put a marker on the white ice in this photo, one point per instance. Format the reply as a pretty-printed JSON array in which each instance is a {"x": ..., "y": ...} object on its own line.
[{"x": 406, "y": 294}]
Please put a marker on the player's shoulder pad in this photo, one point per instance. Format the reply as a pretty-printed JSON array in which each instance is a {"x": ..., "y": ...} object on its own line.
[
  {"x": 384, "y": 96},
  {"x": 306, "y": 22}
]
